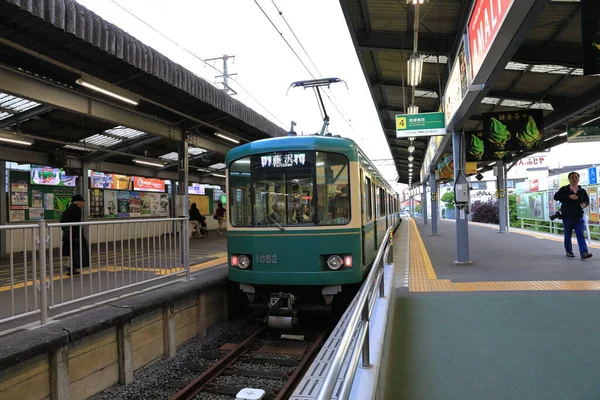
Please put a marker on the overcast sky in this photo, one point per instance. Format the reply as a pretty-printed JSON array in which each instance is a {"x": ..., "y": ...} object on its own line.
[
  {"x": 266, "y": 66},
  {"x": 264, "y": 63}
]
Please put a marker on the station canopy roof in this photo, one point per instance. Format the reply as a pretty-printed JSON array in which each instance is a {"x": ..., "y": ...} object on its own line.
[
  {"x": 53, "y": 43},
  {"x": 545, "y": 73}
]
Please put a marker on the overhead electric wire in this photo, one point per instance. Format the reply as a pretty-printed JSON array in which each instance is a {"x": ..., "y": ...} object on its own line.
[
  {"x": 311, "y": 61},
  {"x": 196, "y": 57},
  {"x": 299, "y": 59}
]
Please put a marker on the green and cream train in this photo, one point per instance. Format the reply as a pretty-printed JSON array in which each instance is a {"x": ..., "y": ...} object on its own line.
[{"x": 306, "y": 216}]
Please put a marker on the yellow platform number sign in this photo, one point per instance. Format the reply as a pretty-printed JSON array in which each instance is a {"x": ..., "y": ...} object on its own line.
[{"x": 400, "y": 122}]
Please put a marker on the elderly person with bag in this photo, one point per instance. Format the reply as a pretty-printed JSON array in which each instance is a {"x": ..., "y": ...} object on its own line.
[{"x": 74, "y": 245}]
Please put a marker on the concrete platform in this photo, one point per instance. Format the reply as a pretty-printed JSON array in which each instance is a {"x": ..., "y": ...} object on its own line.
[{"x": 520, "y": 323}]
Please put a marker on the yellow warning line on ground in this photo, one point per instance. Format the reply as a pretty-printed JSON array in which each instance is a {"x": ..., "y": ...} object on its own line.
[
  {"x": 535, "y": 234},
  {"x": 422, "y": 277},
  {"x": 119, "y": 269}
]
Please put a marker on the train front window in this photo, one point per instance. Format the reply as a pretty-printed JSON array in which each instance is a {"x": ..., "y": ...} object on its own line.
[
  {"x": 283, "y": 188},
  {"x": 240, "y": 193},
  {"x": 333, "y": 193}
]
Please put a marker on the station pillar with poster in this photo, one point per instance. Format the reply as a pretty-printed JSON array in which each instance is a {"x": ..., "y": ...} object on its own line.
[{"x": 461, "y": 199}]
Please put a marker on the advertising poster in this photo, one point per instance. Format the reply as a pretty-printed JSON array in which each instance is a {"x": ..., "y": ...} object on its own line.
[
  {"x": 590, "y": 32},
  {"x": 446, "y": 167},
  {"x": 49, "y": 201},
  {"x": 16, "y": 215},
  {"x": 98, "y": 180},
  {"x": 110, "y": 204},
  {"x": 593, "y": 176},
  {"x": 553, "y": 206},
  {"x": 37, "y": 199},
  {"x": 135, "y": 206},
  {"x": 505, "y": 132},
  {"x": 18, "y": 194},
  {"x": 36, "y": 214},
  {"x": 51, "y": 177},
  {"x": 96, "y": 203},
  {"x": 62, "y": 200},
  {"x": 146, "y": 200},
  {"x": 202, "y": 202},
  {"x": 123, "y": 204},
  {"x": 532, "y": 206},
  {"x": 163, "y": 205},
  {"x": 593, "y": 208}
]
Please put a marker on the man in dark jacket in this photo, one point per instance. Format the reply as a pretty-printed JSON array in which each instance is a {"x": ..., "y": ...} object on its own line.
[
  {"x": 74, "y": 245},
  {"x": 573, "y": 199}
]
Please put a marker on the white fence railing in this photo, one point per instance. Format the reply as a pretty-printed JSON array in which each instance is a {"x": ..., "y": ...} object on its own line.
[{"x": 57, "y": 266}]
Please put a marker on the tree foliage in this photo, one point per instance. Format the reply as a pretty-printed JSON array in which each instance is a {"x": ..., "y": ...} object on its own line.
[
  {"x": 448, "y": 199},
  {"x": 486, "y": 212}
]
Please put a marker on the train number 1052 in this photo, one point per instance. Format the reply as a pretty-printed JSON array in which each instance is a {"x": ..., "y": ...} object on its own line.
[{"x": 266, "y": 259}]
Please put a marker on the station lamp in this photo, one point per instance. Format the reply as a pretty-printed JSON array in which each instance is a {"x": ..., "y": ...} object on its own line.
[
  {"x": 414, "y": 69},
  {"x": 149, "y": 161},
  {"x": 8, "y": 137},
  {"x": 413, "y": 109},
  {"x": 410, "y": 158},
  {"x": 410, "y": 165},
  {"x": 108, "y": 89},
  {"x": 227, "y": 137},
  {"x": 411, "y": 149},
  {"x": 415, "y": 2}
]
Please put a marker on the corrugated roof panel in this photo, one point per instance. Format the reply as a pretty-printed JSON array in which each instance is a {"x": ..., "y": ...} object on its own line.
[
  {"x": 10, "y": 105},
  {"x": 78, "y": 148},
  {"x": 217, "y": 166},
  {"x": 172, "y": 156},
  {"x": 516, "y": 103},
  {"x": 196, "y": 150},
  {"x": 490, "y": 100},
  {"x": 101, "y": 140},
  {"x": 126, "y": 133},
  {"x": 542, "y": 106}
]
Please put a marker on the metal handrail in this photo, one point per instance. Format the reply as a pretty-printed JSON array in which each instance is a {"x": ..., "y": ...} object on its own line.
[
  {"x": 358, "y": 321},
  {"x": 108, "y": 222}
]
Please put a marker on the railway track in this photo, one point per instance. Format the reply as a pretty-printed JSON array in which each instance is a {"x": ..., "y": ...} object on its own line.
[{"x": 265, "y": 358}]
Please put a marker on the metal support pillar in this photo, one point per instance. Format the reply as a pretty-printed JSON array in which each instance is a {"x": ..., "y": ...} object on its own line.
[
  {"x": 424, "y": 202},
  {"x": 3, "y": 206},
  {"x": 183, "y": 211},
  {"x": 83, "y": 188},
  {"x": 433, "y": 185},
  {"x": 462, "y": 220},
  {"x": 501, "y": 195}
]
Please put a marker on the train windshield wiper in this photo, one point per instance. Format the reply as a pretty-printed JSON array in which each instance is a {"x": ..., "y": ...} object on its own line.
[{"x": 276, "y": 223}]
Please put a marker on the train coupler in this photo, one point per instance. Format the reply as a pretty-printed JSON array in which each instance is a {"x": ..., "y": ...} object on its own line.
[{"x": 282, "y": 311}]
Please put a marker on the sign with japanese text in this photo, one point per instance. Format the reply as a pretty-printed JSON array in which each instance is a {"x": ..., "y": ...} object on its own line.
[
  {"x": 505, "y": 132},
  {"x": 486, "y": 20},
  {"x": 99, "y": 180},
  {"x": 148, "y": 184},
  {"x": 458, "y": 85},
  {"x": 583, "y": 134},
  {"x": 424, "y": 124},
  {"x": 593, "y": 175},
  {"x": 590, "y": 32},
  {"x": 283, "y": 160},
  {"x": 593, "y": 207}
]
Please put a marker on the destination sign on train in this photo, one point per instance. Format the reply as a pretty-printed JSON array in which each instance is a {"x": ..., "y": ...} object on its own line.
[{"x": 283, "y": 160}]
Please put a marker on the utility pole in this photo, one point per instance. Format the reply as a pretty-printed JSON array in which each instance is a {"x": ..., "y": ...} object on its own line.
[{"x": 226, "y": 88}]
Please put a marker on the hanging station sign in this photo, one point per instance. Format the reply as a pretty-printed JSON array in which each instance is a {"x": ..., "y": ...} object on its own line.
[
  {"x": 484, "y": 25},
  {"x": 424, "y": 124},
  {"x": 587, "y": 133}
]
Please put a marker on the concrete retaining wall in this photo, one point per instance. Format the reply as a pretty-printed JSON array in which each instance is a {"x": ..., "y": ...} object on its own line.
[{"x": 95, "y": 356}]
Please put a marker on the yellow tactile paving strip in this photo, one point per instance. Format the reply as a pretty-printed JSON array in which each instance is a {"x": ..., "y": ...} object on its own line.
[{"x": 422, "y": 276}]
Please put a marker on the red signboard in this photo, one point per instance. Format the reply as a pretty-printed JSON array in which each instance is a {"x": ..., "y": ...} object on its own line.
[
  {"x": 148, "y": 184},
  {"x": 534, "y": 185},
  {"x": 485, "y": 22}
]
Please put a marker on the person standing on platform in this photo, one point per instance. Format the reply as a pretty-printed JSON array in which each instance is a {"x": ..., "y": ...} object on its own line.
[
  {"x": 74, "y": 245},
  {"x": 220, "y": 216},
  {"x": 573, "y": 199}
]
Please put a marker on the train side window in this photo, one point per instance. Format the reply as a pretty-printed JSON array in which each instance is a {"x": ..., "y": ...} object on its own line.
[
  {"x": 381, "y": 202},
  {"x": 333, "y": 194},
  {"x": 368, "y": 200},
  {"x": 240, "y": 193}
]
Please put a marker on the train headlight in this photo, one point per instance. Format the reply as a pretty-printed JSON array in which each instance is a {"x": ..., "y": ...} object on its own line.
[
  {"x": 334, "y": 262},
  {"x": 243, "y": 261}
]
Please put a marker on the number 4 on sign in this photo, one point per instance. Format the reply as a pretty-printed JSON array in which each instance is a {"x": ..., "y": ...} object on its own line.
[{"x": 401, "y": 123}]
